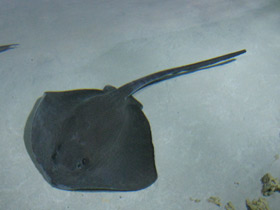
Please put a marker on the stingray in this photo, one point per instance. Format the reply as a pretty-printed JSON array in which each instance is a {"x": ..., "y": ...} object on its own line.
[
  {"x": 91, "y": 139},
  {"x": 7, "y": 47}
]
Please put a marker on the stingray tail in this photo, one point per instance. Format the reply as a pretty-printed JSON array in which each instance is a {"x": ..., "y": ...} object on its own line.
[
  {"x": 132, "y": 87},
  {"x": 7, "y": 47}
]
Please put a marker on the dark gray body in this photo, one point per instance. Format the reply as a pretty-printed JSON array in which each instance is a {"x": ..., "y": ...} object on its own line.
[{"x": 98, "y": 139}]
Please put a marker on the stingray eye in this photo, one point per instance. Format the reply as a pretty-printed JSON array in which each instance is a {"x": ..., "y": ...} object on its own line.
[
  {"x": 81, "y": 164},
  {"x": 54, "y": 155},
  {"x": 85, "y": 161}
]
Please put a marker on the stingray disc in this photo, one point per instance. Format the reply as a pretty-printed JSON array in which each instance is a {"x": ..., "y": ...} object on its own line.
[{"x": 91, "y": 140}]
